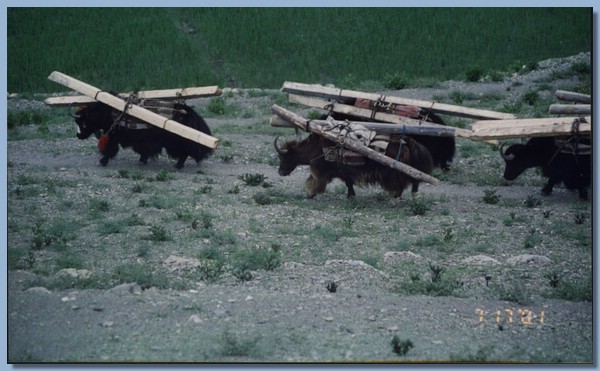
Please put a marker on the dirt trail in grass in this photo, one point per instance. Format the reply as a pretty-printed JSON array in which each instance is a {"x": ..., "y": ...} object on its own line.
[{"x": 494, "y": 302}]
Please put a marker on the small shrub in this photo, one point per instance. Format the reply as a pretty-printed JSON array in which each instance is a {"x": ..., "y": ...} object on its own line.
[
  {"x": 436, "y": 272},
  {"x": 69, "y": 260},
  {"x": 252, "y": 179},
  {"x": 448, "y": 234},
  {"x": 141, "y": 274},
  {"x": 143, "y": 250},
  {"x": 262, "y": 199},
  {"x": 134, "y": 219},
  {"x": 137, "y": 188},
  {"x": 212, "y": 265},
  {"x": 401, "y": 347},
  {"x": 234, "y": 190},
  {"x": 226, "y": 158},
  {"x": 99, "y": 205},
  {"x": 206, "y": 219},
  {"x": 234, "y": 346},
  {"x": 531, "y": 66},
  {"x": 255, "y": 259},
  {"x": 123, "y": 173},
  {"x": 396, "y": 81},
  {"x": 163, "y": 176},
  {"x": 457, "y": 97},
  {"x": 532, "y": 201},
  {"x": 579, "y": 218},
  {"x": 205, "y": 190},
  {"x": 217, "y": 106},
  {"x": 160, "y": 233},
  {"x": 573, "y": 291},
  {"x": 530, "y": 97},
  {"x": 490, "y": 196},
  {"x": 241, "y": 271},
  {"x": 137, "y": 175},
  {"x": 419, "y": 206},
  {"x": 474, "y": 74},
  {"x": 111, "y": 227},
  {"x": 496, "y": 76}
]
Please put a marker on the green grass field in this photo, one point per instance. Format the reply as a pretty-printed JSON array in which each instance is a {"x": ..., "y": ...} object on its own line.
[{"x": 150, "y": 48}]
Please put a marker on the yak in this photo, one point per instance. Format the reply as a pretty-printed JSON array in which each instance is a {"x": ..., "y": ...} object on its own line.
[
  {"x": 569, "y": 167},
  {"x": 442, "y": 149},
  {"x": 310, "y": 152},
  {"x": 146, "y": 140}
]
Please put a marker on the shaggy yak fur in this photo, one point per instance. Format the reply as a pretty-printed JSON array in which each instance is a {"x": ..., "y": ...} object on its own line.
[
  {"x": 99, "y": 119},
  {"x": 310, "y": 152}
]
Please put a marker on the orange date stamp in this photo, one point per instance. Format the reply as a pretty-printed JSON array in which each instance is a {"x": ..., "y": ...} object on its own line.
[{"x": 511, "y": 316}]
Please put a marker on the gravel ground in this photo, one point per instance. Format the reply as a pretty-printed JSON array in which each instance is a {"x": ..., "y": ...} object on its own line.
[{"x": 499, "y": 305}]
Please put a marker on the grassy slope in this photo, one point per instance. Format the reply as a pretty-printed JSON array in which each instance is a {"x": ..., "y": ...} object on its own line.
[{"x": 144, "y": 48}]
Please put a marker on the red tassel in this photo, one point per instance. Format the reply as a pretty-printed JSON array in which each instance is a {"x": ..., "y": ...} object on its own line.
[{"x": 102, "y": 142}]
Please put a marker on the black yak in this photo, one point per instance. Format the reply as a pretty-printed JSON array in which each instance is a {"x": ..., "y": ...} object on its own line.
[
  {"x": 145, "y": 139},
  {"x": 310, "y": 151},
  {"x": 569, "y": 167}
]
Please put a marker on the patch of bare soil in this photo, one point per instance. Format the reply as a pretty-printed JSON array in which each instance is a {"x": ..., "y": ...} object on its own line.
[{"x": 466, "y": 281}]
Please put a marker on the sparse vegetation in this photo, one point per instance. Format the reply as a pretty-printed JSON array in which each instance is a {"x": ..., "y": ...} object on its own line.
[{"x": 255, "y": 236}]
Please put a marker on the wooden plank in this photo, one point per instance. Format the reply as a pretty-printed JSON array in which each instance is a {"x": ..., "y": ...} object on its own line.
[
  {"x": 167, "y": 94},
  {"x": 570, "y": 109},
  {"x": 378, "y": 127},
  {"x": 278, "y": 122},
  {"x": 368, "y": 114},
  {"x": 488, "y": 124},
  {"x": 353, "y": 145},
  {"x": 336, "y": 94},
  {"x": 556, "y": 129},
  {"x": 135, "y": 111},
  {"x": 412, "y": 112},
  {"x": 573, "y": 97}
]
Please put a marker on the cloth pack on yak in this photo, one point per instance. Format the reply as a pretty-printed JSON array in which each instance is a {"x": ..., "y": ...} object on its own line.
[
  {"x": 356, "y": 132},
  {"x": 163, "y": 108}
]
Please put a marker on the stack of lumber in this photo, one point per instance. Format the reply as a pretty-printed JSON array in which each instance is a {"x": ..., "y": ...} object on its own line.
[
  {"x": 383, "y": 110},
  {"x": 408, "y": 114},
  {"x": 123, "y": 104},
  {"x": 541, "y": 127},
  {"x": 167, "y": 94}
]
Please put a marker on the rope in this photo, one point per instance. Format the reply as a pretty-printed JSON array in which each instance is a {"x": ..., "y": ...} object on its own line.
[
  {"x": 573, "y": 141},
  {"x": 119, "y": 118},
  {"x": 401, "y": 143}
]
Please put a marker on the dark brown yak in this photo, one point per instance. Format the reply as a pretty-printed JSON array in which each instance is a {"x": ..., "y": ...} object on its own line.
[{"x": 310, "y": 152}]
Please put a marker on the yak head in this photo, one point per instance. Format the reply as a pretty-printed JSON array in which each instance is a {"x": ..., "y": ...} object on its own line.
[
  {"x": 537, "y": 152},
  {"x": 293, "y": 153},
  {"x": 513, "y": 157},
  {"x": 92, "y": 119}
]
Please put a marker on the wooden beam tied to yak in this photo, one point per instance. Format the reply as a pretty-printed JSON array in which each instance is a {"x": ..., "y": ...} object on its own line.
[
  {"x": 344, "y": 95},
  {"x": 165, "y": 94},
  {"x": 134, "y": 110},
  {"x": 316, "y": 126}
]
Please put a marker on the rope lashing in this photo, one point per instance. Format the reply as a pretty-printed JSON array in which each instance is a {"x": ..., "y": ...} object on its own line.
[{"x": 401, "y": 143}]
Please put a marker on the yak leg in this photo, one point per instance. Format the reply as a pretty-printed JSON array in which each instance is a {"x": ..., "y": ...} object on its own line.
[
  {"x": 111, "y": 150},
  {"x": 315, "y": 185},
  {"x": 583, "y": 194},
  {"x": 415, "y": 187},
  {"x": 180, "y": 162},
  {"x": 547, "y": 190},
  {"x": 144, "y": 159},
  {"x": 350, "y": 185}
]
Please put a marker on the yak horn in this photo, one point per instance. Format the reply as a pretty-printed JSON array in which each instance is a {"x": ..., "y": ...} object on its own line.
[
  {"x": 504, "y": 156},
  {"x": 279, "y": 150},
  {"x": 70, "y": 111}
]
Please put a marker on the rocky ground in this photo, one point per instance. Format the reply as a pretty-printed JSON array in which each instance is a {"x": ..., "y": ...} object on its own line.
[{"x": 512, "y": 284}]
